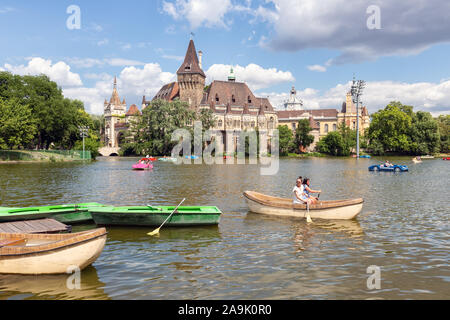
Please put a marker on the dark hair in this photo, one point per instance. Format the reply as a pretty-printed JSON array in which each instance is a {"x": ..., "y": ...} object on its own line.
[
  {"x": 299, "y": 178},
  {"x": 305, "y": 180}
]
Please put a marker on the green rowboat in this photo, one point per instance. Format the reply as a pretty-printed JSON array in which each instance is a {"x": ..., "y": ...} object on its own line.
[
  {"x": 155, "y": 216},
  {"x": 68, "y": 213}
]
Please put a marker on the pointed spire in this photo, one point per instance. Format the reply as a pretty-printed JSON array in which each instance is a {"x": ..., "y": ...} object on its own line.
[
  {"x": 115, "y": 95},
  {"x": 231, "y": 77},
  {"x": 115, "y": 82},
  {"x": 191, "y": 63}
]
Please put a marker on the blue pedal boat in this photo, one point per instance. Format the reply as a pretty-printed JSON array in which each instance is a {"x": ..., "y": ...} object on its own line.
[{"x": 393, "y": 168}]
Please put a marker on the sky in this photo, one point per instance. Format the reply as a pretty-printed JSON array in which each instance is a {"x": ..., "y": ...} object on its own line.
[{"x": 400, "y": 48}]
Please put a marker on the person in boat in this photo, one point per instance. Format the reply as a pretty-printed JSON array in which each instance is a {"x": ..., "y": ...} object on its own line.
[
  {"x": 298, "y": 191},
  {"x": 387, "y": 164},
  {"x": 307, "y": 192}
]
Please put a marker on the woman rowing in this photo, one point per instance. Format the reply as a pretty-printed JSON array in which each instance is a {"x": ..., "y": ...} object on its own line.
[
  {"x": 307, "y": 191},
  {"x": 298, "y": 191}
]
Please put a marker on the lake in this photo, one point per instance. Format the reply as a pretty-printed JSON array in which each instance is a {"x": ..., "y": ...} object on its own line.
[{"x": 403, "y": 230}]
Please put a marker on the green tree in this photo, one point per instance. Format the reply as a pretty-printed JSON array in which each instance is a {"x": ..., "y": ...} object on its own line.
[
  {"x": 286, "y": 139},
  {"x": 17, "y": 126},
  {"x": 444, "y": 132},
  {"x": 302, "y": 137},
  {"x": 349, "y": 138},
  {"x": 390, "y": 128},
  {"x": 333, "y": 143},
  {"x": 424, "y": 134},
  {"x": 152, "y": 132}
]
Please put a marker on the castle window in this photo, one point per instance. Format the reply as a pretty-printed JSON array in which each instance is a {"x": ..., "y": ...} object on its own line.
[
  {"x": 239, "y": 123},
  {"x": 253, "y": 124},
  {"x": 220, "y": 123},
  {"x": 293, "y": 126},
  {"x": 233, "y": 98},
  {"x": 217, "y": 97},
  {"x": 187, "y": 67},
  {"x": 334, "y": 127},
  {"x": 326, "y": 128},
  {"x": 249, "y": 99},
  {"x": 271, "y": 123}
]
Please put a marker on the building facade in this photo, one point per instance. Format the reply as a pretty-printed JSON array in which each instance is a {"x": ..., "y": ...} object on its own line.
[
  {"x": 323, "y": 121},
  {"x": 117, "y": 118},
  {"x": 235, "y": 108}
]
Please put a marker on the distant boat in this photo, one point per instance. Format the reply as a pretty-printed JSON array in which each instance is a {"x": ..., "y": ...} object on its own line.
[
  {"x": 35, "y": 254},
  {"x": 417, "y": 160},
  {"x": 427, "y": 157},
  {"x": 393, "y": 168},
  {"x": 144, "y": 164},
  {"x": 365, "y": 156},
  {"x": 191, "y": 157}
]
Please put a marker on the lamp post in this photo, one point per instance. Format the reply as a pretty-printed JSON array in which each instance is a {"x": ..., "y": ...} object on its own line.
[
  {"x": 357, "y": 89},
  {"x": 84, "y": 130}
]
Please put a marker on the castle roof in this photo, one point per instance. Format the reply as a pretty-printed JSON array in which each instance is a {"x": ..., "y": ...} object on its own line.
[
  {"x": 315, "y": 113},
  {"x": 168, "y": 92},
  {"x": 133, "y": 111},
  {"x": 191, "y": 63}
]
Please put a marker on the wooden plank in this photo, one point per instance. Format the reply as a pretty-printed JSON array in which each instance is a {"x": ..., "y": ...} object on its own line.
[{"x": 33, "y": 226}]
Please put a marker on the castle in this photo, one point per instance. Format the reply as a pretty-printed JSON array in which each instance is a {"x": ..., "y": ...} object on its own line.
[{"x": 235, "y": 108}]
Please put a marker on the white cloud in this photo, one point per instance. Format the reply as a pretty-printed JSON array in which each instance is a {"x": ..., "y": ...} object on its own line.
[
  {"x": 406, "y": 27},
  {"x": 209, "y": 13},
  {"x": 6, "y": 9},
  {"x": 425, "y": 96},
  {"x": 172, "y": 57},
  {"x": 91, "y": 62},
  {"x": 58, "y": 72},
  {"x": 118, "y": 62},
  {"x": 103, "y": 42},
  {"x": 254, "y": 75},
  {"x": 317, "y": 67},
  {"x": 132, "y": 84}
]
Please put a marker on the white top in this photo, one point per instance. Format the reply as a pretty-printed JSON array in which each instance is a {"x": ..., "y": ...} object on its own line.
[{"x": 299, "y": 192}]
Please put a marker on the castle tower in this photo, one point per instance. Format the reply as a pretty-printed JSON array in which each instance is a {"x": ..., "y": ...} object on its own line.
[
  {"x": 114, "y": 112},
  {"x": 191, "y": 78}
]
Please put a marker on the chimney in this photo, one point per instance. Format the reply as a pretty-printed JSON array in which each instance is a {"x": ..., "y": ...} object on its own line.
[{"x": 200, "y": 54}]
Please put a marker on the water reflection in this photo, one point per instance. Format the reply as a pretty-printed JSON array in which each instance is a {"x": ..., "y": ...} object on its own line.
[
  {"x": 252, "y": 256},
  {"x": 53, "y": 287}
]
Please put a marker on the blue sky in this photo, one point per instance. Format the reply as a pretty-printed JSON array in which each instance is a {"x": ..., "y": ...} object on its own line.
[{"x": 273, "y": 45}]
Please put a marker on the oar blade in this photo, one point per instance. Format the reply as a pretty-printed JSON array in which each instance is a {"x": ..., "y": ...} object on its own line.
[{"x": 154, "y": 232}]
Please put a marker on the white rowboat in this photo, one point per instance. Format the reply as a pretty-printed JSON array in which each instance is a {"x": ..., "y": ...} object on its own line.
[
  {"x": 23, "y": 253},
  {"x": 335, "y": 209}
]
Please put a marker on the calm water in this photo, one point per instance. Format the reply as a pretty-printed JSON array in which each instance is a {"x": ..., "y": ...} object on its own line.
[{"x": 403, "y": 229}]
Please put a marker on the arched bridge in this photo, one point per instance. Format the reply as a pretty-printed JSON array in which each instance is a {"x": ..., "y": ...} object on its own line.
[{"x": 108, "y": 151}]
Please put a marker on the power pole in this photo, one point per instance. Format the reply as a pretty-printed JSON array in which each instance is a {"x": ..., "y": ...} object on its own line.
[
  {"x": 357, "y": 89},
  {"x": 84, "y": 130}
]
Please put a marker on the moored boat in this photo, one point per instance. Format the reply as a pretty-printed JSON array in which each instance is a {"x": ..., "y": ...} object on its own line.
[
  {"x": 49, "y": 253},
  {"x": 155, "y": 216},
  {"x": 334, "y": 209},
  {"x": 68, "y": 213}
]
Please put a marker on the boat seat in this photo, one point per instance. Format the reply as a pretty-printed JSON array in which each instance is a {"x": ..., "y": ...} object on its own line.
[{"x": 12, "y": 242}]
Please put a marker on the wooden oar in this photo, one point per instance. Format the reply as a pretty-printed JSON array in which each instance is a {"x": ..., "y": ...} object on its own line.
[
  {"x": 308, "y": 217},
  {"x": 156, "y": 231}
]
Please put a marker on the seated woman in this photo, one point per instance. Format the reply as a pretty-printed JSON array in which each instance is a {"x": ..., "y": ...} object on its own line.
[
  {"x": 307, "y": 191},
  {"x": 298, "y": 191}
]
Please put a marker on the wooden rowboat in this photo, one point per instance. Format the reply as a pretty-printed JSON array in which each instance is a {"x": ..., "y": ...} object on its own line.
[
  {"x": 23, "y": 253},
  {"x": 335, "y": 209},
  {"x": 155, "y": 216}
]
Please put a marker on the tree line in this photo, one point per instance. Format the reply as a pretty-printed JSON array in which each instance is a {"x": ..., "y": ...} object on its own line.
[
  {"x": 34, "y": 114},
  {"x": 151, "y": 133},
  {"x": 395, "y": 129}
]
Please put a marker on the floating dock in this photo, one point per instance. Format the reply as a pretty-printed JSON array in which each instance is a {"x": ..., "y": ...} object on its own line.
[{"x": 34, "y": 226}]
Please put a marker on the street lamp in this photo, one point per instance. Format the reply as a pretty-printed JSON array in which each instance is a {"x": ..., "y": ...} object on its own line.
[
  {"x": 356, "y": 91},
  {"x": 84, "y": 130}
]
